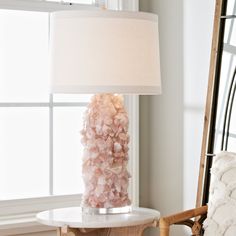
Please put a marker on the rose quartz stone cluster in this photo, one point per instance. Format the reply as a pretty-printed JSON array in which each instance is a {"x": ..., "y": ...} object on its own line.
[{"x": 105, "y": 139}]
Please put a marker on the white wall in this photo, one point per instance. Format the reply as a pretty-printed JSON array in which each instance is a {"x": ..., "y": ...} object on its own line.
[
  {"x": 161, "y": 118},
  {"x": 171, "y": 124},
  {"x": 198, "y": 23}
]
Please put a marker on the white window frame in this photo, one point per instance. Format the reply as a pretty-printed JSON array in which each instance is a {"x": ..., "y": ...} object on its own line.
[{"x": 26, "y": 208}]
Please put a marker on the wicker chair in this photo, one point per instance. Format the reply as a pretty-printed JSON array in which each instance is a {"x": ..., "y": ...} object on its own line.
[{"x": 194, "y": 218}]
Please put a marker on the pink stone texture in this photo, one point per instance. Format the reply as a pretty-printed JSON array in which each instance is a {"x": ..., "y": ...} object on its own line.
[{"x": 105, "y": 139}]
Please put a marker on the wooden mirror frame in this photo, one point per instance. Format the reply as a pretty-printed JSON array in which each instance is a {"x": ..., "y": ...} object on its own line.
[{"x": 208, "y": 138}]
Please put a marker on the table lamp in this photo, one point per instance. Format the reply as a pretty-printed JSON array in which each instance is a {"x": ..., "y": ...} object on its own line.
[{"x": 105, "y": 53}]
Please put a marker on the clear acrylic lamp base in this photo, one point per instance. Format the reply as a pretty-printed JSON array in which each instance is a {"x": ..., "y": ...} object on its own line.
[{"x": 107, "y": 211}]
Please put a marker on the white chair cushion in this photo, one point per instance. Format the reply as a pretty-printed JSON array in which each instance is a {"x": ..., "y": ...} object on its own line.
[{"x": 221, "y": 217}]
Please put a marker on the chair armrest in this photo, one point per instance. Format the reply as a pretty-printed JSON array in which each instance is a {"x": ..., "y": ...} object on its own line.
[
  {"x": 185, "y": 215},
  {"x": 165, "y": 222}
]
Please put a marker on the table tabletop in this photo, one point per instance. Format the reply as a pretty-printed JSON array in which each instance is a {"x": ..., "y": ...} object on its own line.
[{"x": 74, "y": 217}]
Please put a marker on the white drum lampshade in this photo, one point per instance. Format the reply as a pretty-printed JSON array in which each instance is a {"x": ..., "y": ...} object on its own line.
[{"x": 105, "y": 52}]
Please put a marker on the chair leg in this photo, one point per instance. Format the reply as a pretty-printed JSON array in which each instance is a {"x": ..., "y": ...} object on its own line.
[{"x": 164, "y": 227}]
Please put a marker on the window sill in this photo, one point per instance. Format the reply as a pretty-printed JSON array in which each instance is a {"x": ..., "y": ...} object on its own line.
[
  {"x": 22, "y": 224},
  {"x": 18, "y": 217},
  {"x": 9, "y": 209}
]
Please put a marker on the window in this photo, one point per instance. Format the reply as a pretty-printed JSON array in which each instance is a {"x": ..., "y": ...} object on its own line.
[
  {"x": 40, "y": 151},
  {"x": 40, "y": 164}
]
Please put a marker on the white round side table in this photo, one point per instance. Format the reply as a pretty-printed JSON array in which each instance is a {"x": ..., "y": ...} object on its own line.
[{"x": 72, "y": 222}]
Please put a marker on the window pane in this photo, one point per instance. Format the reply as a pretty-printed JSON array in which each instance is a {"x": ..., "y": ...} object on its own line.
[
  {"x": 233, "y": 118},
  {"x": 80, "y": 1},
  {"x": 23, "y": 56},
  {"x": 218, "y": 139},
  {"x": 68, "y": 150},
  {"x": 227, "y": 69},
  {"x": 232, "y": 144},
  {"x": 233, "y": 35},
  {"x": 230, "y": 7},
  {"x": 72, "y": 97},
  {"x": 23, "y": 152},
  {"x": 74, "y": 1}
]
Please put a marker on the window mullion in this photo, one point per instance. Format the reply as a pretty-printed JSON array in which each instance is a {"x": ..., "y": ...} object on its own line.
[
  {"x": 51, "y": 145},
  {"x": 43, "y": 104},
  {"x": 24, "y": 104}
]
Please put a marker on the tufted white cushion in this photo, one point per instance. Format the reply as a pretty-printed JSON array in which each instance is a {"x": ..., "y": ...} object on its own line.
[{"x": 221, "y": 217}]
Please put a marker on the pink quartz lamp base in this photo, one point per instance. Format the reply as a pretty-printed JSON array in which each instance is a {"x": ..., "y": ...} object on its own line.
[{"x": 105, "y": 139}]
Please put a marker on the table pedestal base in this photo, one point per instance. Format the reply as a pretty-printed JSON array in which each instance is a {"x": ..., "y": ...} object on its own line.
[{"x": 119, "y": 231}]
